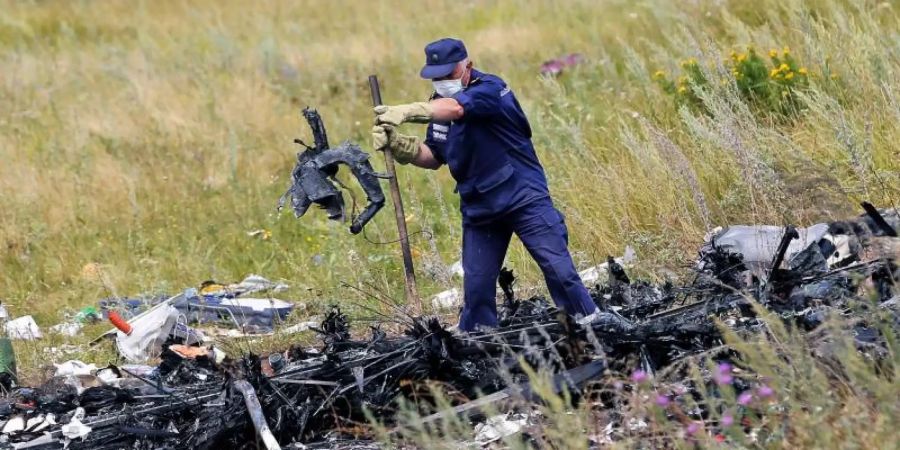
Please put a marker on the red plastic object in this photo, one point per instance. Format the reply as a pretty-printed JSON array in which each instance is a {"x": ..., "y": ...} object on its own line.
[{"x": 120, "y": 323}]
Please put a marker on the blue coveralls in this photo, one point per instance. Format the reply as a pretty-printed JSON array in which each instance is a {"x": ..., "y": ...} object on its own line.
[{"x": 503, "y": 190}]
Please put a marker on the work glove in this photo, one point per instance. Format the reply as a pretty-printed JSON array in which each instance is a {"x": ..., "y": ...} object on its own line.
[
  {"x": 404, "y": 148},
  {"x": 379, "y": 138},
  {"x": 420, "y": 112}
]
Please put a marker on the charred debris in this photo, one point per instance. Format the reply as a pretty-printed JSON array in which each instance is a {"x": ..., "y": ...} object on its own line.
[{"x": 316, "y": 397}]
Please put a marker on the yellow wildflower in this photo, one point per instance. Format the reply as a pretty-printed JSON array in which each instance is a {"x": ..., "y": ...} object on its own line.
[
  {"x": 802, "y": 71},
  {"x": 789, "y": 76},
  {"x": 783, "y": 67},
  {"x": 682, "y": 80},
  {"x": 658, "y": 75},
  {"x": 773, "y": 53},
  {"x": 682, "y": 90},
  {"x": 773, "y": 73},
  {"x": 742, "y": 57}
]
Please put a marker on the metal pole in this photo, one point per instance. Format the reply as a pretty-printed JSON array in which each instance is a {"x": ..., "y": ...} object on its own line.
[{"x": 412, "y": 294}]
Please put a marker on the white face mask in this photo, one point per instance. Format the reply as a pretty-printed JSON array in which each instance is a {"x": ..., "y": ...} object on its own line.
[{"x": 447, "y": 88}]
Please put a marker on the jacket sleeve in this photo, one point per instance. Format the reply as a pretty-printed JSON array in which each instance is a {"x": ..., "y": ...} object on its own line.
[
  {"x": 436, "y": 140},
  {"x": 481, "y": 99}
]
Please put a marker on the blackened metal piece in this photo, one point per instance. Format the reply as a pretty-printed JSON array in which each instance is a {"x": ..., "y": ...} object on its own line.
[
  {"x": 506, "y": 281},
  {"x": 790, "y": 233},
  {"x": 313, "y": 178},
  {"x": 617, "y": 275},
  {"x": 876, "y": 217}
]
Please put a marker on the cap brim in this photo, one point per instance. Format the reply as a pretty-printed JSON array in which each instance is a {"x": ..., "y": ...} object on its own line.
[{"x": 438, "y": 70}]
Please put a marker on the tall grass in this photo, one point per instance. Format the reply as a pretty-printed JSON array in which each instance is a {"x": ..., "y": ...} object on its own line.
[{"x": 145, "y": 139}]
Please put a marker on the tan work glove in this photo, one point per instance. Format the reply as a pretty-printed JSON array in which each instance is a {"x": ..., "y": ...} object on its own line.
[
  {"x": 420, "y": 112},
  {"x": 404, "y": 148}
]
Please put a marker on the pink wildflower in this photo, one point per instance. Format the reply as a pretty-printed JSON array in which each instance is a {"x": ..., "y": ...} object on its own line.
[
  {"x": 639, "y": 376},
  {"x": 722, "y": 375},
  {"x": 745, "y": 398},
  {"x": 727, "y": 420},
  {"x": 765, "y": 391},
  {"x": 662, "y": 400},
  {"x": 693, "y": 428}
]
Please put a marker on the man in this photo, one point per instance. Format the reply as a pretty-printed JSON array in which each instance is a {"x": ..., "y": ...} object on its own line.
[{"x": 477, "y": 128}]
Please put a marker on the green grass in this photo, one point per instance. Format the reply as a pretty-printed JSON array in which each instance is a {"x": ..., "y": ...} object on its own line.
[{"x": 145, "y": 139}]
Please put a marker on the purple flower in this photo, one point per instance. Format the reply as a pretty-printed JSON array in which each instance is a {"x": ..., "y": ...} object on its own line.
[
  {"x": 662, "y": 400},
  {"x": 727, "y": 420},
  {"x": 745, "y": 398},
  {"x": 765, "y": 391},
  {"x": 723, "y": 374},
  {"x": 552, "y": 67},
  {"x": 639, "y": 376},
  {"x": 693, "y": 428}
]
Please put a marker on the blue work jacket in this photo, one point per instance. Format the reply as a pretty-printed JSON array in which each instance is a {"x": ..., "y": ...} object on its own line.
[{"x": 489, "y": 151}]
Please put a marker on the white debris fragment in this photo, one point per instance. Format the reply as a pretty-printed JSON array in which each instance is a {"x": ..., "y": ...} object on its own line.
[
  {"x": 457, "y": 269},
  {"x": 74, "y": 367},
  {"x": 635, "y": 424},
  {"x": 257, "y": 283},
  {"x": 75, "y": 429},
  {"x": 67, "y": 328},
  {"x": 24, "y": 328},
  {"x": 498, "y": 427},
  {"x": 448, "y": 299},
  {"x": 14, "y": 424},
  {"x": 302, "y": 326},
  {"x": 107, "y": 375},
  {"x": 40, "y": 423},
  {"x": 139, "y": 370},
  {"x": 149, "y": 331},
  {"x": 591, "y": 274}
]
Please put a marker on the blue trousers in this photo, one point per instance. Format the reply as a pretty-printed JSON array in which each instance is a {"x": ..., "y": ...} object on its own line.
[{"x": 542, "y": 230}]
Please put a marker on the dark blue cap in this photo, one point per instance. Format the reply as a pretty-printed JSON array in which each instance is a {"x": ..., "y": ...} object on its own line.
[{"x": 441, "y": 57}]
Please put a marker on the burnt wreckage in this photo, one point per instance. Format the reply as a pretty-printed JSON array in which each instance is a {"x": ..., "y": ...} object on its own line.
[
  {"x": 317, "y": 396},
  {"x": 314, "y": 177}
]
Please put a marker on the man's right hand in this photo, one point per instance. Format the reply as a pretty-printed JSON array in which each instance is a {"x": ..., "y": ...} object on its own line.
[{"x": 380, "y": 139}]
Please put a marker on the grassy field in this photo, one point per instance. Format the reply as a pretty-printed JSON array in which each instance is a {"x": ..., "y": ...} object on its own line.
[{"x": 141, "y": 141}]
